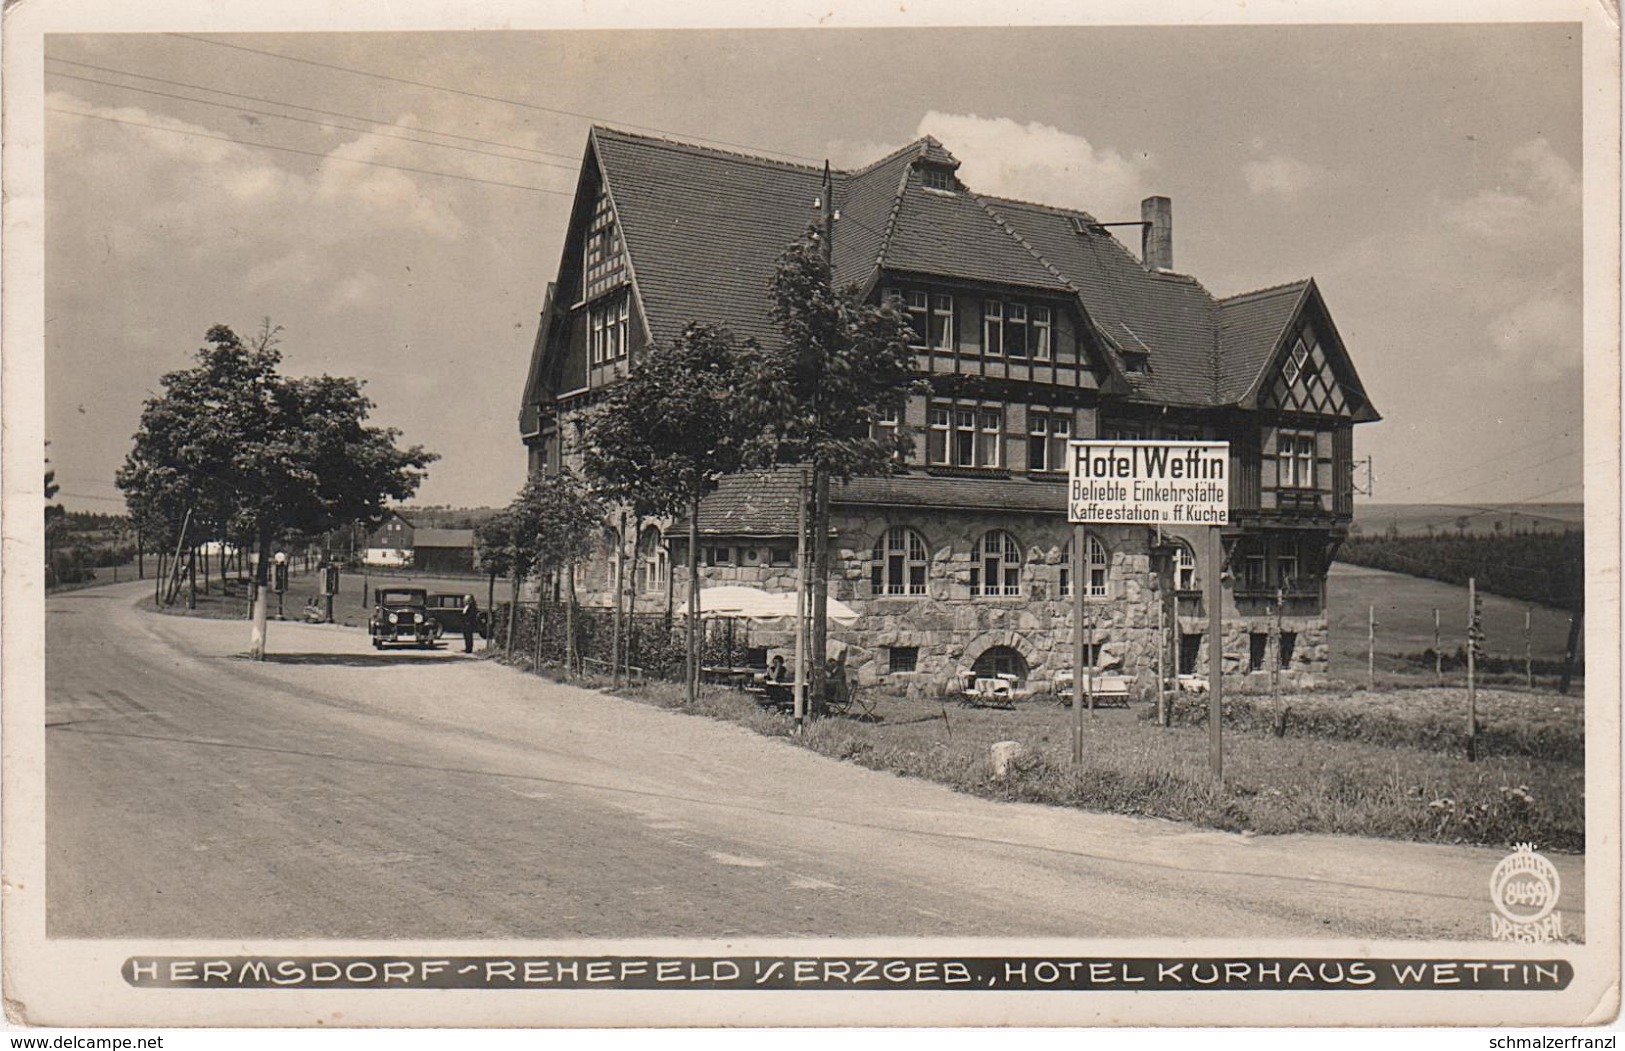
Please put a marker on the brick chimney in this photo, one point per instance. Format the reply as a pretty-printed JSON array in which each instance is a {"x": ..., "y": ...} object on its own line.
[{"x": 1157, "y": 238}]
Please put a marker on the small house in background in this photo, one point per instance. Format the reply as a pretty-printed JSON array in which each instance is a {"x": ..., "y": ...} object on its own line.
[
  {"x": 443, "y": 550},
  {"x": 391, "y": 543}
]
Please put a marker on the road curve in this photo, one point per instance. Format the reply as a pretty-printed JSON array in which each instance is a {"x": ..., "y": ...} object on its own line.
[{"x": 334, "y": 792}]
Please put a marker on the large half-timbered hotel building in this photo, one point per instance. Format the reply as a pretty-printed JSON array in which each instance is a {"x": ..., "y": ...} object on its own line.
[{"x": 1033, "y": 325}]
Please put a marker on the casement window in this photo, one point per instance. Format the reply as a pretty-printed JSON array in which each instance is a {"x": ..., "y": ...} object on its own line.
[
  {"x": 653, "y": 562},
  {"x": 1047, "y": 437},
  {"x": 939, "y": 179},
  {"x": 1041, "y": 334},
  {"x": 1286, "y": 569},
  {"x": 897, "y": 564},
  {"x": 1096, "y": 569},
  {"x": 1015, "y": 330},
  {"x": 782, "y": 556},
  {"x": 996, "y": 571},
  {"x": 930, "y": 316},
  {"x": 964, "y": 436},
  {"x": 901, "y": 660},
  {"x": 1184, "y": 568},
  {"x": 993, "y": 328},
  {"x": 608, "y": 330},
  {"x": 884, "y": 425},
  {"x": 1019, "y": 331},
  {"x": 1255, "y": 572},
  {"x": 717, "y": 555},
  {"x": 1122, "y": 432},
  {"x": 1295, "y": 457}
]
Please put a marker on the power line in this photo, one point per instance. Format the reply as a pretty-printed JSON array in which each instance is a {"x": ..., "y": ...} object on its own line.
[
  {"x": 474, "y": 94},
  {"x": 309, "y": 153},
  {"x": 293, "y": 105},
  {"x": 307, "y": 120}
]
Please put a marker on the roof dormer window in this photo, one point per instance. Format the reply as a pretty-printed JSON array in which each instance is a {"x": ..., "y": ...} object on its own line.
[{"x": 940, "y": 179}]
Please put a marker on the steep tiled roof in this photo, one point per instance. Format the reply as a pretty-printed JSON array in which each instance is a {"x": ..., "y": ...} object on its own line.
[
  {"x": 703, "y": 229},
  {"x": 443, "y": 538},
  {"x": 922, "y": 490},
  {"x": 1169, "y": 317},
  {"x": 1250, "y": 329},
  {"x": 757, "y": 503}
]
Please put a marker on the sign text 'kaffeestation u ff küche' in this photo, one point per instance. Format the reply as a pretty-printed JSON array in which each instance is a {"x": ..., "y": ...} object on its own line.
[{"x": 1155, "y": 483}]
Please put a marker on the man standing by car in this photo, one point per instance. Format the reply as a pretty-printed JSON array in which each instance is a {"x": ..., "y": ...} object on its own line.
[{"x": 471, "y": 613}]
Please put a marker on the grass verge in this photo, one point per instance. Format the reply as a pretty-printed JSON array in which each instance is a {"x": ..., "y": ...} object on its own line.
[{"x": 1304, "y": 782}]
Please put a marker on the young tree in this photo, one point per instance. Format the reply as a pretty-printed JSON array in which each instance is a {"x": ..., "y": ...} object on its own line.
[
  {"x": 666, "y": 434},
  {"x": 494, "y": 553},
  {"x": 840, "y": 365},
  {"x": 550, "y": 525},
  {"x": 236, "y": 443}
]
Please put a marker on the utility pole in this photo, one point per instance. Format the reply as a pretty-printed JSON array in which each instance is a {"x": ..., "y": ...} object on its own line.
[
  {"x": 800, "y": 702},
  {"x": 820, "y": 479}
]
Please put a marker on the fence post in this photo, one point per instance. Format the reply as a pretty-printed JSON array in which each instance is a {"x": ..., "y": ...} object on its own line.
[
  {"x": 1438, "y": 657},
  {"x": 1528, "y": 649},
  {"x": 1371, "y": 648},
  {"x": 1472, "y": 687}
]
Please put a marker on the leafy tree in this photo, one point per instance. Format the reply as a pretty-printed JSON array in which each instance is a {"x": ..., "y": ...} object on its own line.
[
  {"x": 549, "y": 526},
  {"x": 666, "y": 434},
  {"x": 56, "y": 523},
  {"x": 841, "y": 363},
  {"x": 252, "y": 454}
]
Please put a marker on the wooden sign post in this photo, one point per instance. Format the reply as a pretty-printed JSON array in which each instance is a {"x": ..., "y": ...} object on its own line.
[{"x": 1179, "y": 486}]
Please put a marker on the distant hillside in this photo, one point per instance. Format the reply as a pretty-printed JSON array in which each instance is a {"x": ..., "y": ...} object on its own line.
[
  {"x": 1545, "y": 567},
  {"x": 1465, "y": 519}
]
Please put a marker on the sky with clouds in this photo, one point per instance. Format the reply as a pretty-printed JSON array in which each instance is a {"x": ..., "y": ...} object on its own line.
[{"x": 1427, "y": 177}]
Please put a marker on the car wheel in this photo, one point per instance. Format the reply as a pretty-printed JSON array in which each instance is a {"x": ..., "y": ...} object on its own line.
[{"x": 377, "y": 644}]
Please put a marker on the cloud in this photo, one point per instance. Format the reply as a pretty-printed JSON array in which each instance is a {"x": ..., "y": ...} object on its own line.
[
  {"x": 1040, "y": 162},
  {"x": 1281, "y": 175}
]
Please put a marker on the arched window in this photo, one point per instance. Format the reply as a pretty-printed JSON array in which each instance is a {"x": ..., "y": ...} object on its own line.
[
  {"x": 653, "y": 561},
  {"x": 997, "y": 568},
  {"x": 1099, "y": 563},
  {"x": 1184, "y": 567},
  {"x": 897, "y": 564},
  {"x": 1000, "y": 660}
]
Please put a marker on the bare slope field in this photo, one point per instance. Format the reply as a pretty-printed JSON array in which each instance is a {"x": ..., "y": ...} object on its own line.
[{"x": 1404, "y": 612}]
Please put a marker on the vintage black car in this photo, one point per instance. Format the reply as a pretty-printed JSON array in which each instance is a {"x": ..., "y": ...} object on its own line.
[
  {"x": 401, "y": 617},
  {"x": 447, "y": 610}
]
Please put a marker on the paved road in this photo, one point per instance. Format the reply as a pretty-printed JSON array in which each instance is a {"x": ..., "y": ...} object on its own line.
[{"x": 336, "y": 792}]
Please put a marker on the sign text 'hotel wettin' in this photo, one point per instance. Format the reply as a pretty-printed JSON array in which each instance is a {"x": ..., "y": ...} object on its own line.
[{"x": 1154, "y": 483}]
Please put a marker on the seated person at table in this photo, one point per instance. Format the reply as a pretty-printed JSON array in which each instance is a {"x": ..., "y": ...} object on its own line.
[{"x": 777, "y": 671}]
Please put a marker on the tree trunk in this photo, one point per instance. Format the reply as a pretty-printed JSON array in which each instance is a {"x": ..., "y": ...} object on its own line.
[
  {"x": 691, "y": 628},
  {"x": 490, "y": 608},
  {"x": 518, "y": 580},
  {"x": 616, "y": 623},
  {"x": 819, "y": 642},
  {"x": 536, "y": 650},
  {"x": 262, "y": 604},
  {"x": 191, "y": 578},
  {"x": 570, "y": 623}
]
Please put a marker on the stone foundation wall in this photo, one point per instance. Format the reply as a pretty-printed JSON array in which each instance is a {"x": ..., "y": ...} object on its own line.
[{"x": 951, "y": 628}]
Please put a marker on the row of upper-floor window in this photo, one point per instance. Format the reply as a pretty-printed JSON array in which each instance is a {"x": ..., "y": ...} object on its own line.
[{"x": 1017, "y": 329}]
